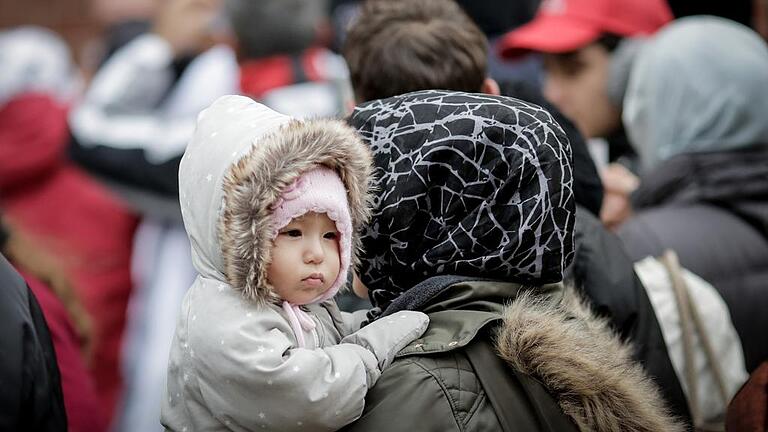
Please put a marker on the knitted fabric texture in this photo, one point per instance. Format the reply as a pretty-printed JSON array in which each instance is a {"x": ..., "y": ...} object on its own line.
[{"x": 318, "y": 190}]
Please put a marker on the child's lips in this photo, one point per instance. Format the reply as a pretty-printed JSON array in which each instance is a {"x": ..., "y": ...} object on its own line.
[{"x": 315, "y": 279}]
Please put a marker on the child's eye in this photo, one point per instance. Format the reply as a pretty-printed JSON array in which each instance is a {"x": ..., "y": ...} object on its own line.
[
  {"x": 292, "y": 233},
  {"x": 330, "y": 235}
]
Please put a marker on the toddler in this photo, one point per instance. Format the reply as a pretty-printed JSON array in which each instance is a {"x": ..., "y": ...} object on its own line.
[{"x": 272, "y": 207}]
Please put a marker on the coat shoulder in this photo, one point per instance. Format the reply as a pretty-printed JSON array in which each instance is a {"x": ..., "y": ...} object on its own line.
[{"x": 426, "y": 393}]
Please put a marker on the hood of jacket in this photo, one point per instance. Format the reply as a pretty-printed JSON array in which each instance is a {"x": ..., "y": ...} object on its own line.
[
  {"x": 242, "y": 156},
  {"x": 33, "y": 139},
  {"x": 468, "y": 185},
  {"x": 582, "y": 363},
  {"x": 587, "y": 185},
  {"x": 551, "y": 334},
  {"x": 667, "y": 113}
]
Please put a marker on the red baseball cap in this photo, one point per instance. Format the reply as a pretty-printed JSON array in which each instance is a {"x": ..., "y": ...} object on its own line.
[{"x": 566, "y": 25}]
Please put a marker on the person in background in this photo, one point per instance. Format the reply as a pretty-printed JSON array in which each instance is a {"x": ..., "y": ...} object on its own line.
[
  {"x": 748, "y": 412},
  {"x": 138, "y": 114},
  {"x": 55, "y": 202},
  {"x": 393, "y": 48},
  {"x": 703, "y": 146},
  {"x": 32, "y": 397},
  {"x": 68, "y": 323},
  {"x": 578, "y": 39}
]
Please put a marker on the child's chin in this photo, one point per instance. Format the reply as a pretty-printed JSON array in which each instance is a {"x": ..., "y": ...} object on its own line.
[{"x": 306, "y": 295}]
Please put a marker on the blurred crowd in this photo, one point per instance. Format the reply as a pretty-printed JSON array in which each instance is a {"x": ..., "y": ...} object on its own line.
[{"x": 664, "y": 105}]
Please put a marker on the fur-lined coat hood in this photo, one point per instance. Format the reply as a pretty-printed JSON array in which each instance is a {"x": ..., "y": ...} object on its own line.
[{"x": 241, "y": 157}]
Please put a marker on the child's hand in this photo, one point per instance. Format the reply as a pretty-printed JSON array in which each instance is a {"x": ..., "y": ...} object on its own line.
[{"x": 386, "y": 336}]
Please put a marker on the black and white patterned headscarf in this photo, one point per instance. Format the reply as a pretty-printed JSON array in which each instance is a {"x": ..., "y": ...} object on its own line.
[{"x": 468, "y": 185}]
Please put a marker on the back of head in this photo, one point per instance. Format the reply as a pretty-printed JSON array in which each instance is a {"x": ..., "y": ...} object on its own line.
[
  {"x": 269, "y": 27},
  {"x": 701, "y": 84},
  {"x": 398, "y": 46},
  {"x": 467, "y": 185}
]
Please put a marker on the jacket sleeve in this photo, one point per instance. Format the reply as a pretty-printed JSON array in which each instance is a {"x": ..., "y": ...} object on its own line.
[
  {"x": 259, "y": 380},
  {"x": 122, "y": 128},
  {"x": 32, "y": 397},
  {"x": 427, "y": 408},
  {"x": 354, "y": 320}
]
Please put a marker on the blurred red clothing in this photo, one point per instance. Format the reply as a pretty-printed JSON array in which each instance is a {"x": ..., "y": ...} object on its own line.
[
  {"x": 75, "y": 218},
  {"x": 748, "y": 411},
  {"x": 80, "y": 399}
]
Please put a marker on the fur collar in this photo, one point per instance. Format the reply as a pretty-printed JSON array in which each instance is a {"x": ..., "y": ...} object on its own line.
[
  {"x": 583, "y": 364},
  {"x": 255, "y": 182}
]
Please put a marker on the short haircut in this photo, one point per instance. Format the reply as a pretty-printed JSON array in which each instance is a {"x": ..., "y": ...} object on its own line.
[
  {"x": 270, "y": 27},
  {"x": 399, "y": 46}
]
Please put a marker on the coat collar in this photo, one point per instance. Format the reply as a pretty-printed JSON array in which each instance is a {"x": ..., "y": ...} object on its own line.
[{"x": 460, "y": 308}]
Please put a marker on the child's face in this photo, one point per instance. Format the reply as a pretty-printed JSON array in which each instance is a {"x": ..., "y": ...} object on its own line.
[{"x": 305, "y": 258}]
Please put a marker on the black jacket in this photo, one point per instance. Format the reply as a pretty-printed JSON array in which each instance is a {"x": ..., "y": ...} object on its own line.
[
  {"x": 603, "y": 272},
  {"x": 712, "y": 209},
  {"x": 30, "y": 386}
]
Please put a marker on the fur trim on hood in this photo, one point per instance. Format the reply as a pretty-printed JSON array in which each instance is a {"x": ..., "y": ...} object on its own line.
[
  {"x": 256, "y": 181},
  {"x": 583, "y": 364}
]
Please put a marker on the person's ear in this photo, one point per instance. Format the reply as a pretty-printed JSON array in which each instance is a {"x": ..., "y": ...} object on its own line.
[
  {"x": 491, "y": 87},
  {"x": 358, "y": 287}
]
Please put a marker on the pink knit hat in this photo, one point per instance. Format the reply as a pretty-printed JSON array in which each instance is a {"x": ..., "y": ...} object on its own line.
[{"x": 318, "y": 190}]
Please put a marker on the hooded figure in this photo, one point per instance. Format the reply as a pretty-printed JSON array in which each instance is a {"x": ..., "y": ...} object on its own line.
[
  {"x": 46, "y": 195},
  {"x": 242, "y": 357},
  {"x": 474, "y": 210},
  {"x": 703, "y": 144}
]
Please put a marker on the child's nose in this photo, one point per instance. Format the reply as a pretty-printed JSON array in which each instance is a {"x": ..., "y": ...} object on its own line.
[{"x": 314, "y": 253}]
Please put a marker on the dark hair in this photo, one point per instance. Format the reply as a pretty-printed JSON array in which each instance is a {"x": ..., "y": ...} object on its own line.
[
  {"x": 399, "y": 46},
  {"x": 264, "y": 28},
  {"x": 609, "y": 41}
]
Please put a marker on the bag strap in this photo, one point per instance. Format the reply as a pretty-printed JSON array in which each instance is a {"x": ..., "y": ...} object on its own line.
[
  {"x": 507, "y": 390},
  {"x": 690, "y": 321}
]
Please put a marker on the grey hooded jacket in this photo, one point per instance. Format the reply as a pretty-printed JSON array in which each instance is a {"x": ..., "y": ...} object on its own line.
[
  {"x": 234, "y": 364},
  {"x": 704, "y": 145}
]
